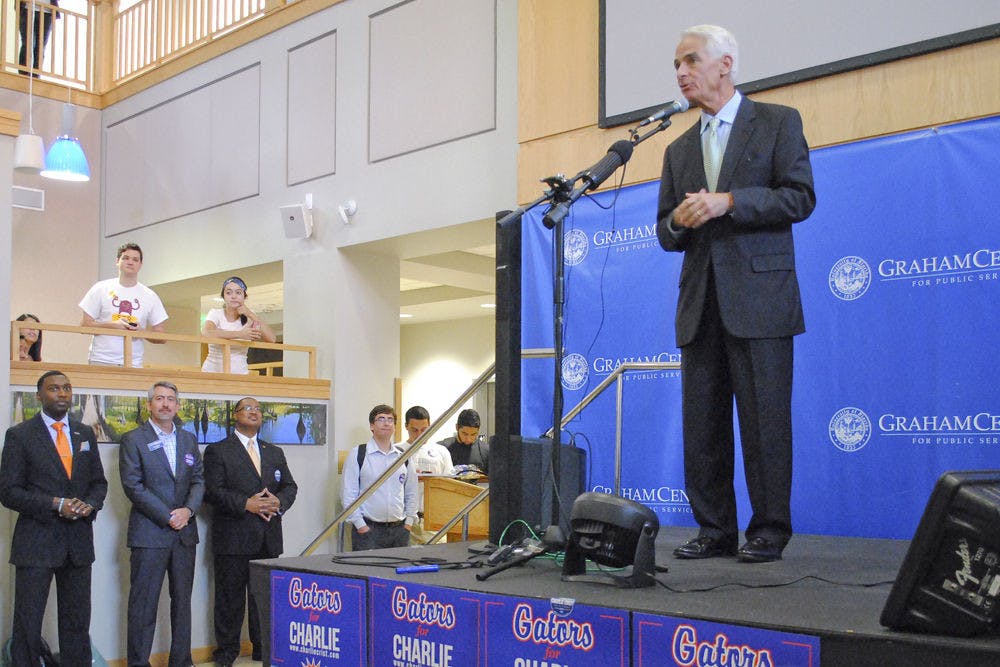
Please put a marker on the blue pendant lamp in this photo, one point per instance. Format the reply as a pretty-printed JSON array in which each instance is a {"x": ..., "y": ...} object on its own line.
[{"x": 65, "y": 160}]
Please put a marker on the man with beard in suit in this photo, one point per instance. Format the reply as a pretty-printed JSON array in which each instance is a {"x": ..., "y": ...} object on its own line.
[
  {"x": 162, "y": 475},
  {"x": 250, "y": 486},
  {"x": 51, "y": 475},
  {"x": 731, "y": 189}
]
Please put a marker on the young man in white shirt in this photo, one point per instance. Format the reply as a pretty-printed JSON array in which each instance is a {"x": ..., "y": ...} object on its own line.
[
  {"x": 387, "y": 517},
  {"x": 124, "y": 304}
]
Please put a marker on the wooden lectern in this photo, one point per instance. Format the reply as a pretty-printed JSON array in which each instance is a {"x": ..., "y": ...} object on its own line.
[{"x": 444, "y": 497}]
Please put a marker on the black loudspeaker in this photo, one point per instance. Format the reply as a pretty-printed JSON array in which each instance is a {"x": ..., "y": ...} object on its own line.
[
  {"x": 949, "y": 582},
  {"x": 507, "y": 407},
  {"x": 615, "y": 532},
  {"x": 526, "y": 489}
]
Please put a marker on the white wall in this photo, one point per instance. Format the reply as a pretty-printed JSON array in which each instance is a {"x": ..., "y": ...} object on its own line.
[{"x": 439, "y": 360}]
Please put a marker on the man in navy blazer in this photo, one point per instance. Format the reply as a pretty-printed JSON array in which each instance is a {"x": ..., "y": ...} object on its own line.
[
  {"x": 731, "y": 188},
  {"x": 51, "y": 475},
  {"x": 250, "y": 487},
  {"x": 162, "y": 475}
]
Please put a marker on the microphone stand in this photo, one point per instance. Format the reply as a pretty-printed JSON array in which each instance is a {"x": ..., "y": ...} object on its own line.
[{"x": 563, "y": 195}]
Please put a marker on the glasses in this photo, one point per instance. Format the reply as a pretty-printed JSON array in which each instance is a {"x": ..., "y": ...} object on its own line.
[
  {"x": 385, "y": 420},
  {"x": 250, "y": 408}
]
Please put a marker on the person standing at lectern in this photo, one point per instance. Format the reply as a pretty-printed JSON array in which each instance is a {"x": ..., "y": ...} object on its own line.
[
  {"x": 466, "y": 447},
  {"x": 731, "y": 188},
  {"x": 51, "y": 475},
  {"x": 161, "y": 473},
  {"x": 250, "y": 487}
]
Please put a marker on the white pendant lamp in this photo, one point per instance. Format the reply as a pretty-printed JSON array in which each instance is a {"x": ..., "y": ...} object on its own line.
[{"x": 29, "y": 149}]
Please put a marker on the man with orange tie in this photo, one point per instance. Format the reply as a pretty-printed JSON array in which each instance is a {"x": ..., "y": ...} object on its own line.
[
  {"x": 248, "y": 483},
  {"x": 51, "y": 475}
]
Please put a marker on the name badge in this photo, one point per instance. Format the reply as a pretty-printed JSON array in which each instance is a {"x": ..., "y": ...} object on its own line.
[
  {"x": 277, "y": 475},
  {"x": 84, "y": 446},
  {"x": 156, "y": 444},
  {"x": 189, "y": 459}
]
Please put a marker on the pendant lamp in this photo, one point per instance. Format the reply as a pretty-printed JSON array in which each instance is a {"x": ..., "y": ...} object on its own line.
[
  {"x": 65, "y": 160},
  {"x": 29, "y": 149}
]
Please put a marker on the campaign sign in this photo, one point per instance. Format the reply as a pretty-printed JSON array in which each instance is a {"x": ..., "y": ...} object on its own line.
[
  {"x": 667, "y": 640},
  {"x": 424, "y": 626},
  {"x": 554, "y": 633},
  {"x": 317, "y": 620}
]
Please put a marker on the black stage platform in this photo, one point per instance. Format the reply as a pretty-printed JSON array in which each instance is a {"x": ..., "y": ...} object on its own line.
[{"x": 787, "y": 595}]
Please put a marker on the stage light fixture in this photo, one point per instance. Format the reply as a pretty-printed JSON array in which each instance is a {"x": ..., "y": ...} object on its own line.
[{"x": 614, "y": 532}]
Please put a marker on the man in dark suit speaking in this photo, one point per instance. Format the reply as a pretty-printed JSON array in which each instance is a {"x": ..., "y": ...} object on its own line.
[
  {"x": 732, "y": 186},
  {"x": 51, "y": 475},
  {"x": 250, "y": 486},
  {"x": 162, "y": 475}
]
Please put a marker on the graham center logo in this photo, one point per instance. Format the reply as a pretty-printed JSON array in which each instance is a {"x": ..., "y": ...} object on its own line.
[
  {"x": 575, "y": 247},
  {"x": 850, "y": 278},
  {"x": 936, "y": 271},
  {"x": 627, "y": 239},
  {"x": 575, "y": 370},
  {"x": 980, "y": 428},
  {"x": 850, "y": 429}
]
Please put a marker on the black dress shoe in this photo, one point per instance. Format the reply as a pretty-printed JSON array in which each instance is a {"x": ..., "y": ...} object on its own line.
[
  {"x": 759, "y": 550},
  {"x": 706, "y": 547}
]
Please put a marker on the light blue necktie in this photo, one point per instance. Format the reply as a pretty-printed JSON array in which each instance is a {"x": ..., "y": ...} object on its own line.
[{"x": 712, "y": 150}]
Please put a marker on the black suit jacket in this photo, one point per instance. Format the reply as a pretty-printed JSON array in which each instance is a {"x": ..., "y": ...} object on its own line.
[
  {"x": 155, "y": 491},
  {"x": 31, "y": 475},
  {"x": 766, "y": 168},
  {"x": 230, "y": 478}
]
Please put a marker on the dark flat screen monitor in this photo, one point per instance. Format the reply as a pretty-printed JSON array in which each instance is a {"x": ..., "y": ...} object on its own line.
[{"x": 949, "y": 582}]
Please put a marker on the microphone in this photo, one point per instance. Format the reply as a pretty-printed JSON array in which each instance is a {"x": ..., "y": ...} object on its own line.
[
  {"x": 666, "y": 112},
  {"x": 619, "y": 153},
  {"x": 530, "y": 549}
]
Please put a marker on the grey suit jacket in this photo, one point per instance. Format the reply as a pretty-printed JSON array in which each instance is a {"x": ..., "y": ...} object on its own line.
[
  {"x": 31, "y": 475},
  {"x": 766, "y": 168},
  {"x": 155, "y": 491}
]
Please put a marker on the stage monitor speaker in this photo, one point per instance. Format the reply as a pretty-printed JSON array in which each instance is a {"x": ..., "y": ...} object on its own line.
[
  {"x": 297, "y": 221},
  {"x": 949, "y": 582},
  {"x": 528, "y": 484},
  {"x": 614, "y": 532}
]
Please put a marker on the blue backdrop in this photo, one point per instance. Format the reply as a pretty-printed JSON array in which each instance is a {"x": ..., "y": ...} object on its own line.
[{"x": 899, "y": 268}]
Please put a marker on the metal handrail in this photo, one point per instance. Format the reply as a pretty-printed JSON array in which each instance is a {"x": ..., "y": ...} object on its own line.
[
  {"x": 616, "y": 376},
  {"x": 340, "y": 520}
]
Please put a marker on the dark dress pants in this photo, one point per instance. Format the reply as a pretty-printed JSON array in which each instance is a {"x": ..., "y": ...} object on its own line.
[
  {"x": 379, "y": 537},
  {"x": 717, "y": 366},
  {"x": 31, "y": 591},
  {"x": 148, "y": 567},
  {"x": 232, "y": 599},
  {"x": 42, "y": 21}
]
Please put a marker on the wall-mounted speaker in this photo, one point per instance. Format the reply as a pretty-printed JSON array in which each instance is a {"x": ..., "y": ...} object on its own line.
[{"x": 297, "y": 221}]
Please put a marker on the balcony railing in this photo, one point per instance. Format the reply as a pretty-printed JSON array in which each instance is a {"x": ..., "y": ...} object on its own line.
[
  {"x": 151, "y": 32},
  {"x": 128, "y": 336},
  {"x": 65, "y": 50},
  {"x": 97, "y": 47}
]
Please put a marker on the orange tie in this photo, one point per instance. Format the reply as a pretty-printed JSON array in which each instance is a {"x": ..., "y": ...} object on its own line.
[{"x": 62, "y": 446}]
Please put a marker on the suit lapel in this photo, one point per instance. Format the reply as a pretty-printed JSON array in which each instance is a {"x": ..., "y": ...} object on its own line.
[
  {"x": 739, "y": 139},
  {"x": 47, "y": 445}
]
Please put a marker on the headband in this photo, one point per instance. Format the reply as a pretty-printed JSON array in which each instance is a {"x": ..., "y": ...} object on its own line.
[{"x": 236, "y": 281}]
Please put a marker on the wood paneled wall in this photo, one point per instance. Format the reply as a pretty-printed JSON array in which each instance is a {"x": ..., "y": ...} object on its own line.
[{"x": 558, "y": 96}]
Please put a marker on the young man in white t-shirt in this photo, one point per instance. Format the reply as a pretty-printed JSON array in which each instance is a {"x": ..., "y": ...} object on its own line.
[{"x": 125, "y": 304}]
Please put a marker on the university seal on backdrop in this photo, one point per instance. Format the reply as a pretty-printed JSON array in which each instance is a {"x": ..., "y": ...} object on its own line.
[
  {"x": 575, "y": 247},
  {"x": 850, "y": 429},
  {"x": 850, "y": 278},
  {"x": 574, "y": 371}
]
